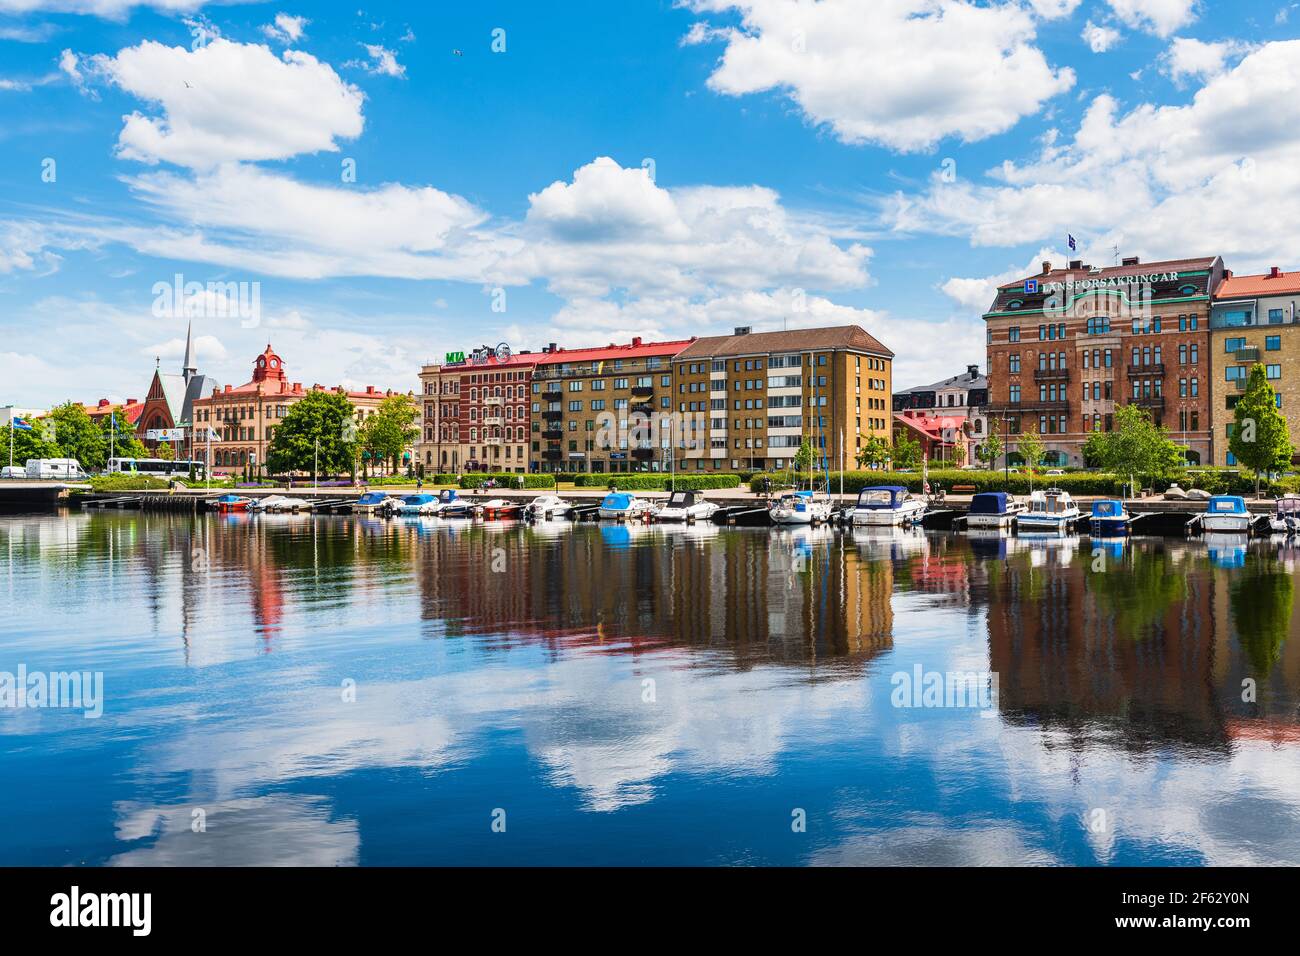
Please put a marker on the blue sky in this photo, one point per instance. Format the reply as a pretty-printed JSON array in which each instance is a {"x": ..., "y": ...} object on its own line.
[{"x": 642, "y": 168}]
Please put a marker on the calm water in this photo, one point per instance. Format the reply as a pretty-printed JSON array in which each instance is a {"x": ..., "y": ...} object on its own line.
[{"x": 355, "y": 691}]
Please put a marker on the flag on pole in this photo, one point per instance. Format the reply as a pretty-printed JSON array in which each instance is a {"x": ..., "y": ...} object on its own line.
[
  {"x": 21, "y": 425},
  {"x": 1074, "y": 246}
]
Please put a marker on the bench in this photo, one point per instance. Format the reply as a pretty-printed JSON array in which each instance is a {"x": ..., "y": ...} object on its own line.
[{"x": 964, "y": 489}]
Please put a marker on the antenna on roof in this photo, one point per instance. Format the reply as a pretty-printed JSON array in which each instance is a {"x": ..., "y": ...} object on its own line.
[{"x": 1116, "y": 250}]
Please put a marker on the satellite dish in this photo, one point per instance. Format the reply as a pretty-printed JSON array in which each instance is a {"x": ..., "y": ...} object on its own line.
[{"x": 503, "y": 352}]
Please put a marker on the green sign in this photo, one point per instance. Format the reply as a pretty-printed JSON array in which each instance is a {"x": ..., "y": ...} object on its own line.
[{"x": 455, "y": 358}]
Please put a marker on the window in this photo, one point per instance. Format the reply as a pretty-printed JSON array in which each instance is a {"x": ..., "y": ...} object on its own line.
[
  {"x": 1042, "y": 333},
  {"x": 1195, "y": 351},
  {"x": 1232, "y": 344},
  {"x": 1015, "y": 394},
  {"x": 1013, "y": 363},
  {"x": 1272, "y": 343},
  {"x": 1274, "y": 316},
  {"x": 1013, "y": 334},
  {"x": 1196, "y": 387},
  {"x": 1273, "y": 371}
]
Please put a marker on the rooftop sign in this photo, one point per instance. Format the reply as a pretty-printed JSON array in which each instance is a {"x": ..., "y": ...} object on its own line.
[{"x": 1108, "y": 282}]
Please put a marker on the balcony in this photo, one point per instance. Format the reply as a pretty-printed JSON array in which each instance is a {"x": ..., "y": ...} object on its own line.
[
  {"x": 1157, "y": 368},
  {"x": 1248, "y": 354},
  {"x": 1152, "y": 402},
  {"x": 1240, "y": 384},
  {"x": 552, "y": 395},
  {"x": 552, "y": 415},
  {"x": 1029, "y": 405},
  {"x": 643, "y": 454},
  {"x": 643, "y": 391},
  {"x": 1051, "y": 375},
  {"x": 553, "y": 434},
  {"x": 645, "y": 408},
  {"x": 552, "y": 454},
  {"x": 493, "y": 420},
  {"x": 493, "y": 400}
]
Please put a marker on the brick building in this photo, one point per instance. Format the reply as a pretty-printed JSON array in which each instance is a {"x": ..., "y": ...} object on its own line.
[
  {"x": 475, "y": 412},
  {"x": 1068, "y": 345},
  {"x": 242, "y": 419}
]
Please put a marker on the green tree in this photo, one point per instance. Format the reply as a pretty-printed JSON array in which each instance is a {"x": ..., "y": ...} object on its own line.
[
  {"x": 123, "y": 443},
  {"x": 874, "y": 453},
  {"x": 803, "y": 459},
  {"x": 1032, "y": 451},
  {"x": 1134, "y": 447},
  {"x": 990, "y": 450},
  {"x": 78, "y": 437},
  {"x": 26, "y": 444},
  {"x": 907, "y": 451},
  {"x": 320, "y": 420},
  {"x": 390, "y": 430},
  {"x": 1259, "y": 439}
]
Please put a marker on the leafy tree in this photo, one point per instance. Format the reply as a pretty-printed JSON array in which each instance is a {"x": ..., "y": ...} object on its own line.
[
  {"x": 907, "y": 451},
  {"x": 324, "y": 420},
  {"x": 78, "y": 437},
  {"x": 165, "y": 451},
  {"x": 390, "y": 430},
  {"x": 1135, "y": 446},
  {"x": 120, "y": 439},
  {"x": 989, "y": 450},
  {"x": 26, "y": 444},
  {"x": 1260, "y": 439},
  {"x": 958, "y": 454},
  {"x": 1032, "y": 452},
  {"x": 803, "y": 458},
  {"x": 874, "y": 453}
]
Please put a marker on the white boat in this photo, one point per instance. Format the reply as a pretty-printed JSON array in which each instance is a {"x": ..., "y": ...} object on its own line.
[
  {"x": 993, "y": 510},
  {"x": 685, "y": 506},
  {"x": 1285, "y": 518},
  {"x": 265, "y": 504},
  {"x": 548, "y": 506},
  {"x": 886, "y": 505},
  {"x": 449, "y": 504},
  {"x": 1050, "y": 510},
  {"x": 499, "y": 508},
  {"x": 622, "y": 506},
  {"x": 369, "y": 503},
  {"x": 800, "y": 507},
  {"x": 1226, "y": 513},
  {"x": 416, "y": 505},
  {"x": 290, "y": 504}
]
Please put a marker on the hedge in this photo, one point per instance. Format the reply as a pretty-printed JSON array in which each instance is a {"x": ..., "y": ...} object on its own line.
[
  {"x": 505, "y": 481},
  {"x": 1078, "y": 482},
  {"x": 652, "y": 481},
  {"x": 119, "y": 482}
]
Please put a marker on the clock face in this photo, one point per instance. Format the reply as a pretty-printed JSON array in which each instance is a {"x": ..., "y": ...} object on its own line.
[{"x": 503, "y": 352}]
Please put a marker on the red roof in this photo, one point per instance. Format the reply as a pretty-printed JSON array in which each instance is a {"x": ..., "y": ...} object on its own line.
[
  {"x": 130, "y": 410},
  {"x": 932, "y": 427},
  {"x": 269, "y": 380},
  {"x": 1270, "y": 283},
  {"x": 634, "y": 349}
]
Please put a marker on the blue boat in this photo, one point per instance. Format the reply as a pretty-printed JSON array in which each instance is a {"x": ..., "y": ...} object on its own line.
[
  {"x": 416, "y": 505},
  {"x": 1109, "y": 517},
  {"x": 1226, "y": 513},
  {"x": 621, "y": 506},
  {"x": 369, "y": 502},
  {"x": 993, "y": 509}
]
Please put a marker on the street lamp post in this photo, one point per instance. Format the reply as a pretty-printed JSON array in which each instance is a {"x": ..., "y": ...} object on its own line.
[{"x": 315, "y": 464}]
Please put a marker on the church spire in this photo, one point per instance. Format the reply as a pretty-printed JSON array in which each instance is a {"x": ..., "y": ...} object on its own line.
[{"x": 188, "y": 371}]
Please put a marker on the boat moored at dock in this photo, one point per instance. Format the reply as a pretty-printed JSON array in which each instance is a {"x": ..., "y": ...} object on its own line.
[
  {"x": 497, "y": 508},
  {"x": 449, "y": 504},
  {"x": 416, "y": 505},
  {"x": 369, "y": 503},
  {"x": 548, "y": 506},
  {"x": 800, "y": 507},
  {"x": 231, "y": 503},
  {"x": 1051, "y": 510},
  {"x": 1226, "y": 513},
  {"x": 685, "y": 506},
  {"x": 886, "y": 505},
  {"x": 992, "y": 510},
  {"x": 1285, "y": 518},
  {"x": 1109, "y": 517},
  {"x": 622, "y": 506}
]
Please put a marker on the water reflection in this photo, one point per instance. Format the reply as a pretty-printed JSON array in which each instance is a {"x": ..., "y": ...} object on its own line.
[{"x": 587, "y": 674}]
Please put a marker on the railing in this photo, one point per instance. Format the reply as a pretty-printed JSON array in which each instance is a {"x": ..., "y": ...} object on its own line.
[
  {"x": 1157, "y": 368},
  {"x": 643, "y": 454},
  {"x": 552, "y": 395},
  {"x": 553, "y": 434},
  {"x": 1029, "y": 405},
  {"x": 1249, "y": 354},
  {"x": 642, "y": 391},
  {"x": 493, "y": 420},
  {"x": 552, "y": 454},
  {"x": 1051, "y": 375},
  {"x": 552, "y": 415},
  {"x": 1149, "y": 401}
]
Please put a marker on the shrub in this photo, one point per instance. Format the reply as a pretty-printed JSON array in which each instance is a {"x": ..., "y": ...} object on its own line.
[
  {"x": 117, "y": 482},
  {"x": 506, "y": 481},
  {"x": 651, "y": 481}
]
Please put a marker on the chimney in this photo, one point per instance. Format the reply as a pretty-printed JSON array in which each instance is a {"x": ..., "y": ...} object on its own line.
[
  {"x": 103, "y": 403},
  {"x": 973, "y": 371},
  {"x": 1047, "y": 266},
  {"x": 132, "y": 401},
  {"x": 551, "y": 347},
  {"x": 370, "y": 390},
  {"x": 1076, "y": 263},
  {"x": 743, "y": 329},
  {"x": 636, "y": 342},
  {"x": 1130, "y": 261},
  {"x": 1274, "y": 272},
  {"x": 297, "y": 386}
]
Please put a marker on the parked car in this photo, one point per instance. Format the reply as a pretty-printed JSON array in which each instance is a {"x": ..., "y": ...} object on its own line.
[
  {"x": 1054, "y": 471},
  {"x": 13, "y": 471}
]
